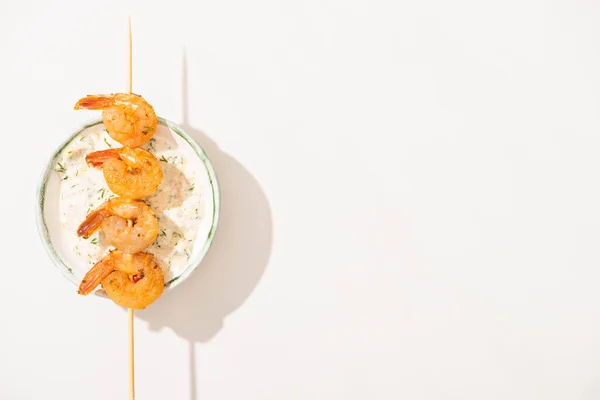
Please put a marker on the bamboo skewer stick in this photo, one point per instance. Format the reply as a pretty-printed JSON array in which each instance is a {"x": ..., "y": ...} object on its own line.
[
  {"x": 130, "y": 310},
  {"x": 130, "y": 59},
  {"x": 131, "y": 370}
]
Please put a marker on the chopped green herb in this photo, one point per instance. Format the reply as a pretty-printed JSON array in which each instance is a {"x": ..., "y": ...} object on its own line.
[
  {"x": 70, "y": 151},
  {"x": 147, "y": 129},
  {"x": 163, "y": 159},
  {"x": 187, "y": 254},
  {"x": 61, "y": 168},
  {"x": 73, "y": 186},
  {"x": 192, "y": 188},
  {"x": 81, "y": 140},
  {"x": 95, "y": 241},
  {"x": 105, "y": 141},
  {"x": 171, "y": 281},
  {"x": 77, "y": 173},
  {"x": 162, "y": 233},
  {"x": 66, "y": 177}
]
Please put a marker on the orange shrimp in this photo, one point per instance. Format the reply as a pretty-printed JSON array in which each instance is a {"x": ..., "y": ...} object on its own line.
[
  {"x": 128, "y": 118},
  {"x": 130, "y": 280},
  {"x": 129, "y": 225},
  {"x": 132, "y": 173}
]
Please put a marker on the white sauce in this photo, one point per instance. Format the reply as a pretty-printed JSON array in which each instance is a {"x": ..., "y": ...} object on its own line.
[{"x": 177, "y": 203}]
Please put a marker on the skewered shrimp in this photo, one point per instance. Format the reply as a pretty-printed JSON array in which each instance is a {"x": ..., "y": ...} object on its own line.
[
  {"x": 132, "y": 173},
  {"x": 128, "y": 118},
  {"x": 129, "y": 225},
  {"x": 130, "y": 280}
]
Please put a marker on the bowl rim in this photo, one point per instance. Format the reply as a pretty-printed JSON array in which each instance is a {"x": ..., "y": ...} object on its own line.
[{"x": 44, "y": 233}]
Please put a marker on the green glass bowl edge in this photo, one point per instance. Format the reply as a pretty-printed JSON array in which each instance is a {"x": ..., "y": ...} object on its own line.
[{"x": 41, "y": 193}]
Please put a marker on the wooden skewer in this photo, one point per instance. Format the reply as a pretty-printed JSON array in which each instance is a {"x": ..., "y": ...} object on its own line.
[
  {"x": 131, "y": 370},
  {"x": 130, "y": 310},
  {"x": 130, "y": 61}
]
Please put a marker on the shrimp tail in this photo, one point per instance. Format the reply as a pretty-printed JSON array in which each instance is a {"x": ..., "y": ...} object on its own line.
[
  {"x": 95, "y": 275},
  {"x": 92, "y": 223},
  {"x": 95, "y": 102},
  {"x": 97, "y": 158}
]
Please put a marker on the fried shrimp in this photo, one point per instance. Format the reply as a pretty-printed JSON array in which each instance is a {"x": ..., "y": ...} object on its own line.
[
  {"x": 128, "y": 118},
  {"x": 130, "y": 280},
  {"x": 132, "y": 173},
  {"x": 129, "y": 225}
]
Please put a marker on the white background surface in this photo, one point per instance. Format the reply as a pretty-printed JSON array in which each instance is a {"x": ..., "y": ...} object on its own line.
[{"x": 410, "y": 199}]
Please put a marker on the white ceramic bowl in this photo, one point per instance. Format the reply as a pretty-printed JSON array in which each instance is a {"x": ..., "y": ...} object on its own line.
[{"x": 58, "y": 241}]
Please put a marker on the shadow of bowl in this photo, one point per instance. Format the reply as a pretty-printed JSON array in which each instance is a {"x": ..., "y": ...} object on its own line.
[{"x": 235, "y": 262}]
